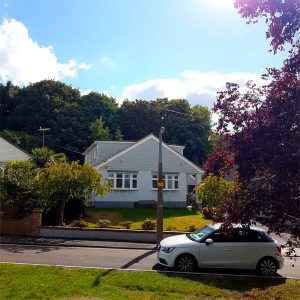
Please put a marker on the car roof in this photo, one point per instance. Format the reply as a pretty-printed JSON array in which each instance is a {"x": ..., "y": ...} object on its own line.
[{"x": 216, "y": 226}]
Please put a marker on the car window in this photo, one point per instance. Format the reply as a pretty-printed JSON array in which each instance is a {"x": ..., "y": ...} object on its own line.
[
  {"x": 200, "y": 233},
  {"x": 247, "y": 236},
  {"x": 221, "y": 237}
]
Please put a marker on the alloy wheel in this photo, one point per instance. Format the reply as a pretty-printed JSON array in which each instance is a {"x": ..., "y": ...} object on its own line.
[
  {"x": 185, "y": 264},
  {"x": 268, "y": 267}
]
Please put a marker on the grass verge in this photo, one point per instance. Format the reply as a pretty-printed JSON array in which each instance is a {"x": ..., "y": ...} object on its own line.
[
  {"x": 179, "y": 218},
  {"x": 42, "y": 282}
]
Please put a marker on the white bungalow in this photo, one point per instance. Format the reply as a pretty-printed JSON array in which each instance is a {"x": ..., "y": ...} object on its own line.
[{"x": 132, "y": 168}]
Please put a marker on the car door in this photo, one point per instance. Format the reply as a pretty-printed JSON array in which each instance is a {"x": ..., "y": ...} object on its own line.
[
  {"x": 248, "y": 248},
  {"x": 218, "y": 254}
]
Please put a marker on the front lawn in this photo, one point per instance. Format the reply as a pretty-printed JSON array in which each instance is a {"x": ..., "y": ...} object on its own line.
[
  {"x": 177, "y": 218},
  {"x": 44, "y": 282}
]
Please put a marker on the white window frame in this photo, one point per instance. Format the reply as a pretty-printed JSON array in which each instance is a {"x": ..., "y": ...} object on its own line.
[
  {"x": 171, "y": 181},
  {"x": 123, "y": 176}
]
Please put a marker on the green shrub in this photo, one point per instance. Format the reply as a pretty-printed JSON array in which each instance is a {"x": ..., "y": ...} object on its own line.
[
  {"x": 79, "y": 223},
  {"x": 212, "y": 193},
  {"x": 209, "y": 212},
  {"x": 191, "y": 228},
  {"x": 18, "y": 195},
  {"x": 103, "y": 223},
  {"x": 171, "y": 228},
  {"x": 126, "y": 224},
  {"x": 148, "y": 225}
]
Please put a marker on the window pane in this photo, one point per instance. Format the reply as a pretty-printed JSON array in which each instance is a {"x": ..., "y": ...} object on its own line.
[
  {"x": 119, "y": 180},
  {"x": 170, "y": 184},
  {"x": 127, "y": 181},
  {"x": 154, "y": 184},
  {"x": 112, "y": 182},
  {"x": 134, "y": 183},
  {"x": 176, "y": 184}
]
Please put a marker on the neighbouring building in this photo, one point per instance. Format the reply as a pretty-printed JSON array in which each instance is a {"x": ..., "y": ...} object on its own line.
[
  {"x": 10, "y": 152},
  {"x": 132, "y": 168}
]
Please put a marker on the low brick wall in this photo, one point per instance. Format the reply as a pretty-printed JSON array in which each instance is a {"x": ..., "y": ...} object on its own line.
[
  {"x": 29, "y": 226},
  {"x": 109, "y": 234}
]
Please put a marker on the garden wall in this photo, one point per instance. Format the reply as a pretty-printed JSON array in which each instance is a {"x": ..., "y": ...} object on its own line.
[
  {"x": 29, "y": 226},
  {"x": 107, "y": 234}
]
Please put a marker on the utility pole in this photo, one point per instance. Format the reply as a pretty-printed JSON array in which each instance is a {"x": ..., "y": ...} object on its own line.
[
  {"x": 160, "y": 186},
  {"x": 43, "y": 131}
]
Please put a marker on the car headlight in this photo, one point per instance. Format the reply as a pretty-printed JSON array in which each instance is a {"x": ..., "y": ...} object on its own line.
[{"x": 167, "y": 249}]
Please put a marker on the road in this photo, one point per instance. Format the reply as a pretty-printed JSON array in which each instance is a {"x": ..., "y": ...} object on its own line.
[{"x": 105, "y": 258}]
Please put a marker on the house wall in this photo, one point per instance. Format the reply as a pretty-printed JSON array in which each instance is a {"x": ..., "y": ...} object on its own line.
[
  {"x": 10, "y": 152},
  {"x": 127, "y": 198},
  {"x": 145, "y": 157}
]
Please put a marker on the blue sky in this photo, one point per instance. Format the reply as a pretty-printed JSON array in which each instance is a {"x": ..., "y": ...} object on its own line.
[{"x": 132, "y": 48}]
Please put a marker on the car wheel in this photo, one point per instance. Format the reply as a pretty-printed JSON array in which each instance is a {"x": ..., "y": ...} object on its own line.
[
  {"x": 185, "y": 263},
  {"x": 267, "y": 266}
]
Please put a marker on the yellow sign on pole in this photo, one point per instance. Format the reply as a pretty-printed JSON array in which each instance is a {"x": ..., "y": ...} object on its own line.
[{"x": 160, "y": 184}]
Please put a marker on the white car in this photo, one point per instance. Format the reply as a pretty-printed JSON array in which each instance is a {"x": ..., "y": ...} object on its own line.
[{"x": 211, "y": 247}]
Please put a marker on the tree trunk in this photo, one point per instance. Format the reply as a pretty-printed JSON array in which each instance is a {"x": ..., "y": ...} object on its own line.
[{"x": 62, "y": 205}]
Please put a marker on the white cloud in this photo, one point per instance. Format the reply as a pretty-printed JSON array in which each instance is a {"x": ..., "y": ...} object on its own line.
[
  {"x": 88, "y": 91},
  {"x": 108, "y": 63},
  {"x": 195, "y": 86},
  {"x": 85, "y": 92},
  {"x": 23, "y": 60},
  {"x": 84, "y": 66}
]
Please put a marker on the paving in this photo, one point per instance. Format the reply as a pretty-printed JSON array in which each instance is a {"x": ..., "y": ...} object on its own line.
[
  {"x": 97, "y": 243},
  {"x": 75, "y": 243}
]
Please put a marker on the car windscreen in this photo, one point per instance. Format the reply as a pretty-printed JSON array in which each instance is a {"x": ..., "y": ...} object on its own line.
[{"x": 200, "y": 233}]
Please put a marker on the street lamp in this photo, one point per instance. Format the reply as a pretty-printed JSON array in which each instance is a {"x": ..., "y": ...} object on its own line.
[
  {"x": 160, "y": 186},
  {"x": 43, "y": 131}
]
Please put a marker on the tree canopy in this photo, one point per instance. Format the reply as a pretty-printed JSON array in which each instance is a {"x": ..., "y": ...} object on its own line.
[
  {"x": 76, "y": 121},
  {"x": 260, "y": 128},
  {"x": 58, "y": 182}
]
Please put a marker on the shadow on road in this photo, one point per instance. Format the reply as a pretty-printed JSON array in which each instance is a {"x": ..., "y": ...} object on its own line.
[
  {"x": 137, "y": 259},
  {"x": 18, "y": 248}
]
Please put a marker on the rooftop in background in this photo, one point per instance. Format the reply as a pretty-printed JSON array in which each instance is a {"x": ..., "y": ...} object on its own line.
[{"x": 8, "y": 151}]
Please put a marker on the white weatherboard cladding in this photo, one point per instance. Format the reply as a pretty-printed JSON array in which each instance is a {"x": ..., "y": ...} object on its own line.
[
  {"x": 144, "y": 190},
  {"x": 145, "y": 157},
  {"x": 10, "y": 152}
]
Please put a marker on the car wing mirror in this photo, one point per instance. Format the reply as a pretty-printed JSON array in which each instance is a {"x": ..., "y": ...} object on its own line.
[{"x": 208, "y": 242}]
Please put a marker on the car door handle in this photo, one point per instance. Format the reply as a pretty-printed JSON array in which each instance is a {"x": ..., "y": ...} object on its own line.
[{"x": 228, "y": 249}]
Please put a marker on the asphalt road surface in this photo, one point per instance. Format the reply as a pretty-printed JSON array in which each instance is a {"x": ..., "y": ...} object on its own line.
[{"x": 107, "y": 258}]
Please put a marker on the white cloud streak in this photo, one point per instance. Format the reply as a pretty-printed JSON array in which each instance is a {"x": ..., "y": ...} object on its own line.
[
  {"x": 195, "y": 86},
  {"x": 23, "y": 60}
]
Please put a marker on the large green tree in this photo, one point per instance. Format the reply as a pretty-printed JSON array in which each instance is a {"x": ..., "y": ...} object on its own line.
[
  {"x": 7, "y": 101},
  {"x": 98, "y": 131},
  {"x": 184, "y": 125},
  {"x": 50, "y": 104},
  {"x": 61, "y": 181}
]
